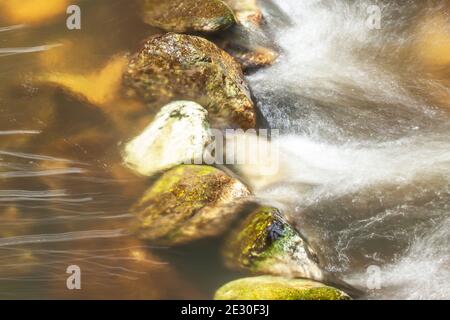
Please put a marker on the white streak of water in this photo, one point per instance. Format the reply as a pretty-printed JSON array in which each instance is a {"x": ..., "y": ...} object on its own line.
[
  {"x": 18, "y": 132},
  {"x": 13, "y": 51},
  {"x": 353, "y": 121}
]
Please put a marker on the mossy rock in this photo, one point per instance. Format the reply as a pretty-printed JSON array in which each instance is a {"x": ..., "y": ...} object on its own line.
[
  {"x": 265, "y": 243},
  {"x": 183, "y": 67},
  {"x": 188, "y": 203},
  {"x": 179, "y": 134},
  {"x": 278, "y": 288},
  {"x": 187, "y": 15}
]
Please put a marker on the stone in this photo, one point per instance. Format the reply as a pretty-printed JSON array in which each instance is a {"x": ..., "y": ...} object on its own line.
[
  {"x": 187, "y": 15},
  {"x": 253, "y": 58},
  {"x": 247, "y": 11},
  {"x": 178, "y": 134},
  {"x": 188, "y": 203},
  {"x": 248, "y": 43},
  {"x": 278, "y": 288},
  {"x": 182, "y": 67},
  {"x": 265, "y": 243},
  {"x": 32, "y": 12}
]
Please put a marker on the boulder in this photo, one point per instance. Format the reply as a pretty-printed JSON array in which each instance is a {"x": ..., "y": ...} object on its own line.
[
  {"x": 278, "y": 288},
  {"x": 187, "y": 15},
  {"x": 252, "y": 58},
  {"x": 178, "y": 134},
  {"x": 175, "y": 66},
  {"x": 265, "y": 243},
  {"x": 248, "y": 43},
  {"x": 188, "y": 203}
]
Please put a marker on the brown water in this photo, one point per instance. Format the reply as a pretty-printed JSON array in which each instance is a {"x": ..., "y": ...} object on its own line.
[
  {"x": 64, "y": 195},
  {"x": 366, "y": 123}
]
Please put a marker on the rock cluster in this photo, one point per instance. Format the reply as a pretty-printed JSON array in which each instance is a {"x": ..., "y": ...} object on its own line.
[
  {"x": 193, "y": 85},
  {"x": 188, "y": 203}
]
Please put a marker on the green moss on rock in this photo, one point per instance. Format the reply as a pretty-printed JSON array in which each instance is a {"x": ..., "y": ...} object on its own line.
[
  {"x": 265, "y": 243},
  {"x": 182, "y": 67},
  {"x": 187, "y": 15},
  {"x": 182, "y": 124},
  {"x": 188, "y": 203},
  {"x": 278, "y": 288}
]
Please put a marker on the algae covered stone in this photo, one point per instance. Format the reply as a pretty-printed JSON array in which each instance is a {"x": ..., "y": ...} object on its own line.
[
  {"x": 188, "y": 203},
  {"x": 278, "y": 288},
  {"x": 266, "y": 244},
  {"x": 179, "y": 134},
  {"x": 183, "y": 67},
  {"x": 187, "y": 15}
]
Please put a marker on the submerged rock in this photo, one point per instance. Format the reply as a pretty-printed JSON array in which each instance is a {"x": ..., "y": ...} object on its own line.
[
  {"x": 178, "y": 134},
  {"x": 187, "y": 15},
  {"x": 252, "y": 58},
  {"x": 278, "y": 288},
  {"x": 11, "y": 216},
  {"x": 174, "y": 66},
  {"x": 246, "y": 11},
  {"x": 107, "y": 80},
  {"x": 127, "y": 268},
  {"x": 188, "y": 203},
  {"x": 248, "y": 42},
  {"x": 265, "y": 243}
]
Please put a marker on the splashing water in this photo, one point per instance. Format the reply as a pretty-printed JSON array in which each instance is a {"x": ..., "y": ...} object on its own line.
[
  {"x": 365, "y": 155},
  {"x": 64, "y": 194}
]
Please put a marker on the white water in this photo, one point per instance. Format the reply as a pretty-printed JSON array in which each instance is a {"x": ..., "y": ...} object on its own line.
[{"x": 365, "y": 165}]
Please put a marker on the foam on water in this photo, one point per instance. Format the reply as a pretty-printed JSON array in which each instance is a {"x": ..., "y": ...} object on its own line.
[{"x": 365, "y": 156}]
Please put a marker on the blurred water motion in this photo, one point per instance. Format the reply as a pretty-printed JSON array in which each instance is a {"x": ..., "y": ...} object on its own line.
[{"x": 365, "y": 149}]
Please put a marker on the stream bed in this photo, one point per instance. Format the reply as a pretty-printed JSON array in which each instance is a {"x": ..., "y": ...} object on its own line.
[{"x": 364, "y": 121}]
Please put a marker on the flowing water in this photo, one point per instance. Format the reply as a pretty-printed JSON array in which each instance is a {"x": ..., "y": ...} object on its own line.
[
  {"x": 366, "y": 138},
  {"x": 365, "y": 151}
]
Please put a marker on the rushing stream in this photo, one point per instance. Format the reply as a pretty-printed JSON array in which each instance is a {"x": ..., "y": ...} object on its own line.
[
  {"x": 366, "y": 148},
  {"x": 364, "y": 115}
]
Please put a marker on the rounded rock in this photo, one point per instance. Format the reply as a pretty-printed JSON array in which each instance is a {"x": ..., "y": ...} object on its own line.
[
  {"x": 265, "y": 243},
  {"x": 179, "y": 134},
  {"x": 278, "y": 288},
  {"x": 182, "y": 67},
  {"x": 188, "y": 203}
]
